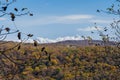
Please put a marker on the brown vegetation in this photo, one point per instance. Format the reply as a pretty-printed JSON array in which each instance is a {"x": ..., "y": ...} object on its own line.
[{"x": 58, "y": 62}]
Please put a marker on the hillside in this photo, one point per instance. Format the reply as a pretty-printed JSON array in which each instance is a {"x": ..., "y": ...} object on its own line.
[
  {"x": 59, "y": 62},
  {"x": 84, "y": 43}
]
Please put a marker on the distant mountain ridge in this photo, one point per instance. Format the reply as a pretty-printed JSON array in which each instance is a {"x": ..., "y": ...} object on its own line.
[
  {"x": 84, "y": 42},
  {"x": 75, "y": 43}
]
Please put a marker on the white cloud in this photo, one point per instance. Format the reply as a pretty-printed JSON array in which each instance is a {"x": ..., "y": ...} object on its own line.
[
  {"x": 90, "y": 28},
  {"x": 67, "y": 19},
  {"x": 2, "y": 19},
  {"x": 101, "y": 21},
  {"x": 75, "y": 17},
  {"x": 72, "y": 19}
]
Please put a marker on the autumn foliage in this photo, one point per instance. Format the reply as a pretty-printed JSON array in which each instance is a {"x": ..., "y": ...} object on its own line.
[{"x": 60, "y": 62}]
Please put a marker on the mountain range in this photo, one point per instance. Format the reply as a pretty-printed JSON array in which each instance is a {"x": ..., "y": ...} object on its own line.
[{"x": 83, "y": 43}]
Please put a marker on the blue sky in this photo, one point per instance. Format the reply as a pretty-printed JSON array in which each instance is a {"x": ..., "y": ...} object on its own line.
[{"x": 62, "y": 19}]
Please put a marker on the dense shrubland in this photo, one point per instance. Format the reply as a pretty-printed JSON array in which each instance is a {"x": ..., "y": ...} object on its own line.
[{"x": 58, "y": 62}]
